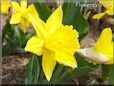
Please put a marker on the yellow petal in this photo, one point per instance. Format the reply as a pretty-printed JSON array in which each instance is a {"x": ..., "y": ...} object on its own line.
[
  {"x": 104, "y": 40},
  {"x": 107, "y": 3},
  {"x": 16, "y": 6},
  {"x": 5, "y": 5},
  {"x": 110, "y": 53},
  {"x": 48, "y": 63},
  {"x": 15, "y": 19},
  {"x": 99, "y": 15},
  {"x": 55, "y": 20},
  {"x": 64, "y": 58},
  {"x": 110, "y": 62},
  {"x": 25, "y": 23},
  {"x": 31, "y": 9},
  {"x": 110, "y": 12},
  {"x": 35, "y": 45},
  {"x": 38, "y": 25},
  {"x": 23, "y": 4}
]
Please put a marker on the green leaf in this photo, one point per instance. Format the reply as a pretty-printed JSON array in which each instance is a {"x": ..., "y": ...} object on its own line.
[
  {"x": 14, "y": 39},
  {"x": 81, "y": 61},
  {"x": 6, "y": 50},
  {"x": 43, "y": 10},
  {"x": 26, "y": 37},
  {"x": 56, "y": 74},
  {"x": 108, "y": 73},
  {"x": 33, "y": 70},
  {"x": 68, "y": 74},
  {"x": 36, "y": 70},
  {"x": 17, "y": 32},
  {"x": 5, "y": 30},
  {"x": 72, "y": 74},
  {"x": 41, "y": 77},
  {"x": 72, "y": 16}
]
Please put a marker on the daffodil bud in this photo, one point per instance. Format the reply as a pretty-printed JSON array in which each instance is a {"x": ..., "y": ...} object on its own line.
[{"x": 96, "y": 57}]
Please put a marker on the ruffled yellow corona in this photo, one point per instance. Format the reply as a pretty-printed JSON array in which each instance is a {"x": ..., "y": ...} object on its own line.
[{"x": 54, "y": 41}]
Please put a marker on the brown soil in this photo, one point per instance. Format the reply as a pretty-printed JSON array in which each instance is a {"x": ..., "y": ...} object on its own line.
[{"x": 13, "y": 70}]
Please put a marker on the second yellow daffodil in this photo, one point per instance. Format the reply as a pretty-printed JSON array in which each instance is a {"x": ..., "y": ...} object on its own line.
[
  {"x": 20, "y": 13},
  {"x": 102, "y": 52},
  {"x": 54, "y": 41},
  {"x": 109, "y": 6},
  {"x": 105, "y": 46}
]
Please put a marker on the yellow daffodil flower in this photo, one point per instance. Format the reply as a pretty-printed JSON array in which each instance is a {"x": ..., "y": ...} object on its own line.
[
  {"x": 20, "y": 14},
  {"x": 102, "y": 52},
  {"x": 5, "y": 5},
  {"x": 54, "y": 41},
  {"x": 109, "y": 5}
]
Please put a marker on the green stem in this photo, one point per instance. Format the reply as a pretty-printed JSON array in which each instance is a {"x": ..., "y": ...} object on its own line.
[{"x": 108, "y": 73}]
